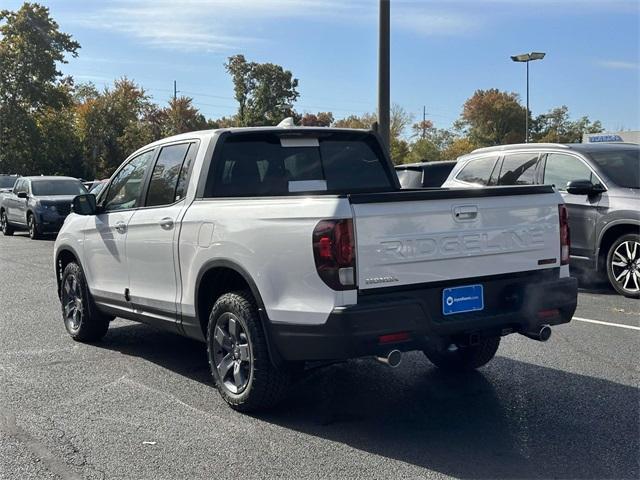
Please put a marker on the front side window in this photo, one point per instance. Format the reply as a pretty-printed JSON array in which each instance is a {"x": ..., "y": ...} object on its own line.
[
  {"x": 621, "y": 166},
  {"x": 166, "y": 174},
  {"x": 561, "y": 169},
  {"x": 19, "y": 187},
  {"x": 518, "y": 169},
  {"x": 478, "y": 171},
  {"x": 124, "y": 190}
]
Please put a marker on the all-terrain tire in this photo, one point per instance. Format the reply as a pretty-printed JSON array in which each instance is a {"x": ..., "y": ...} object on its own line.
[
  {"x": 82, "y": 319},
  {"x": 260, "y": 385}
]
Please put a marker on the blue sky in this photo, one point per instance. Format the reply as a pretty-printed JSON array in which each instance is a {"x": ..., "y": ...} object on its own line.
[{"x": 442, "y": 50}]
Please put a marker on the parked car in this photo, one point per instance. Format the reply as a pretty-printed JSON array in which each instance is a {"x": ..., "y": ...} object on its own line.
[
  {"x": 600, "y": 184},
  {"x": 424, "y": 174},
  {"x": 38, "y": 204},
  {"x": 281, "y": 245},
  {"x": 7, "y": 182}
]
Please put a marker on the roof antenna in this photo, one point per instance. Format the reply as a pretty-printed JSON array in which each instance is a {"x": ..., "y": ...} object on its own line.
[{"x": 287, "y": 123}]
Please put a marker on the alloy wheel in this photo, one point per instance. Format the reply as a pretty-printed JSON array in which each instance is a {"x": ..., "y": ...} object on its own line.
[
  {"x": 73, "y": 308},
  {"x": 625, "y": 265},
  {"x": 3, "y": 222},
  {"x": 232, "y": 353}
]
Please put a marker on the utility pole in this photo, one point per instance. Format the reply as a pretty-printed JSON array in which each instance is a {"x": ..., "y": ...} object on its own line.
[
  {"x": 175, "y": 91},
  {"x": 384, "y": 60},
  {"x": 424, "y": 122}
]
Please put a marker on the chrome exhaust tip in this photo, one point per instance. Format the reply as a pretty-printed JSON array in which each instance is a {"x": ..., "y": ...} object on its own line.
[
  {"x": 541, "y": 335},
  {"x": 393, "y": 358}
]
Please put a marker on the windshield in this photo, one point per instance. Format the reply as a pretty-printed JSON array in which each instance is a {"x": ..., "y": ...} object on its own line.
[
  {"x": 7, "y": 182},
  {"x": 621, "y": 166},
  {"x": 57, "y": 187}
]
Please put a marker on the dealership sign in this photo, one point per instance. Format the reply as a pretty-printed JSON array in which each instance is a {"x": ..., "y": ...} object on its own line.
[{"x": 605, "y": 138}]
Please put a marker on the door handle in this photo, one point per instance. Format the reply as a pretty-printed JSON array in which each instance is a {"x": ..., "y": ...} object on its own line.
[
  {"x": 465, "y": 212},
  {"x": 166, "y": 223},
  {"x": 121, "y": 226}
]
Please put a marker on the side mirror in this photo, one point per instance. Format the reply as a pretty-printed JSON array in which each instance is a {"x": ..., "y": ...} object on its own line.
[
  {"x": 22, "y": 195},
  {"x": 84, "y": 204},
  {"x": 583, "y": 187}
]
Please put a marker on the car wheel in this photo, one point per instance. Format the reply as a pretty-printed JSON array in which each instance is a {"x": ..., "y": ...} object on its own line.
[
  {"x": 4, "y": 224},
  {"x": 81, "y": 317},
  {"x": 455, "y": 357},
  {"x": 623, "y": 265},
  {"x": 34, "y": 234},
  {"x": 238, "y": 355}
]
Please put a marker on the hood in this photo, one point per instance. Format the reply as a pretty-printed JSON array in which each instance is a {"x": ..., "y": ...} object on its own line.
[
  {"x": 626, "y": 193},
  {"x": 57, "y": 199}
]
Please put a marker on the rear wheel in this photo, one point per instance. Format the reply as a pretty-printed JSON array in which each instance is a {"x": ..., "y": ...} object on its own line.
[
  {"x": 238, "y": 355},
  {"x": 81, "y": 317},
  {"x": 34, "y": 233},
  {"x": 458, "y": 357},
  {"x": 623, "y": 265},
  {"x": 4, "y": 224}
]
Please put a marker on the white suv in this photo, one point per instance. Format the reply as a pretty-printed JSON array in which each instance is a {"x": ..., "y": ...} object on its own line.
[{"x": 278, "y": 246}]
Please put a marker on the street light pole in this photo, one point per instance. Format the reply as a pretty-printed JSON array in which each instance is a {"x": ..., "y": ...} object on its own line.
[
  {"x": 526, "y": 119},
  {"x": 384, "y": 53},
  {"x": 526, "y": 58}
]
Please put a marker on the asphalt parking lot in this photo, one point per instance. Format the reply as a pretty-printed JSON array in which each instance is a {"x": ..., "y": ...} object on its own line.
[{"x": 140, "y": 404}]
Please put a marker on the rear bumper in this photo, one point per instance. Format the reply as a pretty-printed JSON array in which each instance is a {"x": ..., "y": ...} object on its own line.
[{"x": 520, "y": 303}]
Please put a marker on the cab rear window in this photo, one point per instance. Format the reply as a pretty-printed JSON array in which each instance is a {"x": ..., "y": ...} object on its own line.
[{"x": 264, "y": 164}]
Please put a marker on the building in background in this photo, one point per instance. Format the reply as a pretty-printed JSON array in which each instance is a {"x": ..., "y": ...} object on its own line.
[{"x": 626, "y": 136}]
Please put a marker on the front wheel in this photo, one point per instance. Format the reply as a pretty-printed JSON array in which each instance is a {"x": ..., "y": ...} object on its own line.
[
  {"x": 238, "y": 355},
  {"x": 458, "y": 357},
  {"x": 623, "y": 265},
  {"x": 34, "y": 233},
  {"x": 7, "y": 229},
  {"x": 81, "y": 318}
]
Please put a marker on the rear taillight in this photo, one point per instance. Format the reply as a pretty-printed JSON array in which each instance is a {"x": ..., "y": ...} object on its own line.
[
  {"x": 334, "y": 253},
  {"x": 565, "y": 236}
]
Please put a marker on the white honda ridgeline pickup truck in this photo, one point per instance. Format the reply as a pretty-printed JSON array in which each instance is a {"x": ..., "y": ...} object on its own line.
[{"x": 279, "y": 246}]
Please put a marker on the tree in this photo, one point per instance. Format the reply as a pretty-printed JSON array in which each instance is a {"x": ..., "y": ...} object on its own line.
[
  {"x": 31, "y": 48},
  {"x": 265, "y": 92},
  {"x": 556, "y": 126},
  {"x": 460, "y": 146},
  {"x": 364, "y": 121},
  {"x": 492, "y": 117},
  {"x": 424, "y": 150},
  {"x": 115, "y": 124},
  {"x": 321, "y": 119},
  {"x": 181, "y": 116}
]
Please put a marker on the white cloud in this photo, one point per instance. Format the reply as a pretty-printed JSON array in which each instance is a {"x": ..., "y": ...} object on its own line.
[
  {"x": 226, "y": 25},
  {"x": 619, "y": 64}
]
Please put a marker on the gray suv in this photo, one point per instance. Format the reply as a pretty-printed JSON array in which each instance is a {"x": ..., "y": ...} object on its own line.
[{"x": 600, "y": 184}]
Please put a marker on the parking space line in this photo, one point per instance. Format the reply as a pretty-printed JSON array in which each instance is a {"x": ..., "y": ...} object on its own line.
[{"x": 600, "y": 322}]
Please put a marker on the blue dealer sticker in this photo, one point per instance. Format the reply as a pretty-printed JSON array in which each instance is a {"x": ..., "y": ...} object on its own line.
[{"x": 469, "y": 298}]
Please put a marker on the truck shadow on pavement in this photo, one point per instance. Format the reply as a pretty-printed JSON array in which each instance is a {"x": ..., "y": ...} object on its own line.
[{"x": 509, "y": 420}]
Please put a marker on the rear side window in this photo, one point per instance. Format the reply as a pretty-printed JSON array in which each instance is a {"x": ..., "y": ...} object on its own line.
[
  {"x": 168, "y": 180},
  {"x": 260, "y": 164},
  {"x": 478, "y": 171},
  {"x": 518, "y": 169}
]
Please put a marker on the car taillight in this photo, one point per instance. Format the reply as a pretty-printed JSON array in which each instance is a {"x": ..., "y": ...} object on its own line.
[
  {"x": 565, "y": 236},
  {"x": 334, "y": 253}
]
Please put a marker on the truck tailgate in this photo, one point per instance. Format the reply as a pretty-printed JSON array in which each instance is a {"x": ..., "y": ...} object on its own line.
[{"x": 414, "y": 237}]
